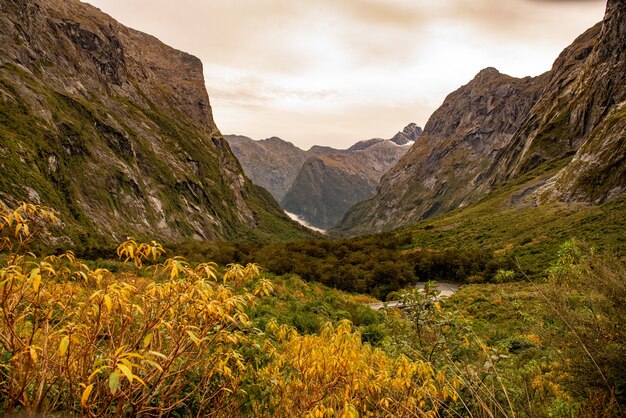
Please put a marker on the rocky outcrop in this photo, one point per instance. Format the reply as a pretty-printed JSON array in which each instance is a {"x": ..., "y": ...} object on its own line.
[
  {"x": 331, "y": 182},
  {"x": 408, "y": 135},
  {"x": 115, "y": 130},
  {"x": 405, "y": 137},
  {"x": 271, "y": 163},
  {"x": 497, "y": 129}
]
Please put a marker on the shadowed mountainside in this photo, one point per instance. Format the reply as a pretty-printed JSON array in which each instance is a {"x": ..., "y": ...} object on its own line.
[{"x": 114, "y": 129}]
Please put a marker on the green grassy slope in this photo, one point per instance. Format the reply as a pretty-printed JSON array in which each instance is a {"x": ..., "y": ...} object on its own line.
[{"x": 529, "y": 233}]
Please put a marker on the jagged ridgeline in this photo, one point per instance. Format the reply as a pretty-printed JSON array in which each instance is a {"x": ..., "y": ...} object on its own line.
[
  {"x": 115, "y": 130},
  {"x": 566, "y": 129}
]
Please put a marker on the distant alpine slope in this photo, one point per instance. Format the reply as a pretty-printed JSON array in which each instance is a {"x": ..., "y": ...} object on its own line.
[
  {"x": 321, "y": 184},
  {"x": 497, "y": 129}
]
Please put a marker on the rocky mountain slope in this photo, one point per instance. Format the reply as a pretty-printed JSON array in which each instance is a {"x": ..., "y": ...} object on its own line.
[
  {"x": 320, "y": 184},
  {"x": 582, "y": 112},
  {"x": 271, "y": 163},
  {"x": 459, "y": 142},
  {"x": 497, "y": 129},
  {"x": 115, "y": 130},
  {"x": 329, "y": 183}
]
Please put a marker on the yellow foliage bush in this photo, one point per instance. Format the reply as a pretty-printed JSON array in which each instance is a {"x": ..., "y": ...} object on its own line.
[
  {"x": 335, "y": 374},
  {"x": 89, "y": 342}
]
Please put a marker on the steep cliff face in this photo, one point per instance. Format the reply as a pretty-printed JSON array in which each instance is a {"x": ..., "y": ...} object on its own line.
[
  {"x": 572, "y": 117},
  {"x": 329, "y": 183},
  {"x": 598, "y": 170},
  {"x": 271, "y": 163},
  {"x": 115, "y": 130},
  {"x": 559, "y": 121},
  {"x": 458, "y": 143}
]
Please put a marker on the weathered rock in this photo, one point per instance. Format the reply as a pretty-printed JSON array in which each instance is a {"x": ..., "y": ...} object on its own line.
[{"x": 598, "y": 170}]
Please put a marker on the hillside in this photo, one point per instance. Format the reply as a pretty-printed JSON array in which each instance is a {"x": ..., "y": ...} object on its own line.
[
  {"x": 115, "y": 130},
  {"x": 271, "y": 163},
  {"x": 497, "y": 129},
  {"x": 329, "y": 183}
]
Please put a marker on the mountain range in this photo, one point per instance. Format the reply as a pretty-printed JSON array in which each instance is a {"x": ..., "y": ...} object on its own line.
[
  {"x": 115, "y": 130},
  {"x": 319, "y": 185}
]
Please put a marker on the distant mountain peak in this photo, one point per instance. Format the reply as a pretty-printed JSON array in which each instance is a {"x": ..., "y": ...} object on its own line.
[
  {"x": 488, "y": 72},
  {"x": 410, "y": 133}
]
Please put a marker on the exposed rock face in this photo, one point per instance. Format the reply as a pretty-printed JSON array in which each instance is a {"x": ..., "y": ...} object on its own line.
[
  {"x": 321, "y": 184},
  {"x": 459, "y": 141},
  {"x": 405, "y": 137},
  {"x": 329, "y": 183},
  {"x": 114, "y": 129},
  {"x": 408, "y": 135},
  {"x": 497, "y": 129},
  {"x": 552, "y": 130},
  {"x": 271, "y": 163},
  {"x": 581, "y": 113},
  {"x": 591, "y": 121}
]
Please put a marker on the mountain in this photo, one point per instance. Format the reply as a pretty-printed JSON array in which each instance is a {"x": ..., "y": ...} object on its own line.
[
  {"x": 271, "y": 163},
  {"x": 320, "y": 184},
  {"x": 115, "y": 130},
  {"x": 330, "y": 182},
  {"x": 582, "y": 113},
  {"x": 407, "y": 136},
  {"x": 459, "y": 141},
  {"x": 498, "y": 129}
]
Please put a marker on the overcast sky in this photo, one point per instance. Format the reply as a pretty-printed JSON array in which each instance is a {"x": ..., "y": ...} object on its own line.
[{"x": 333, "y": 72}]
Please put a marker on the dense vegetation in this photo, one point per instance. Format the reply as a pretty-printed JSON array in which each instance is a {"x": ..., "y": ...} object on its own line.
[
  {"x": 171, "y": 338},
  {"x": 469, "y": 245},
  {"x": 148, "y": 337},
  {"x": 376, "y": 265}
]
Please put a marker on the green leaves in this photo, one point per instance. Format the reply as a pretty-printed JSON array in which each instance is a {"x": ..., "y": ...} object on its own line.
[{"x": 114, "y": 381}]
